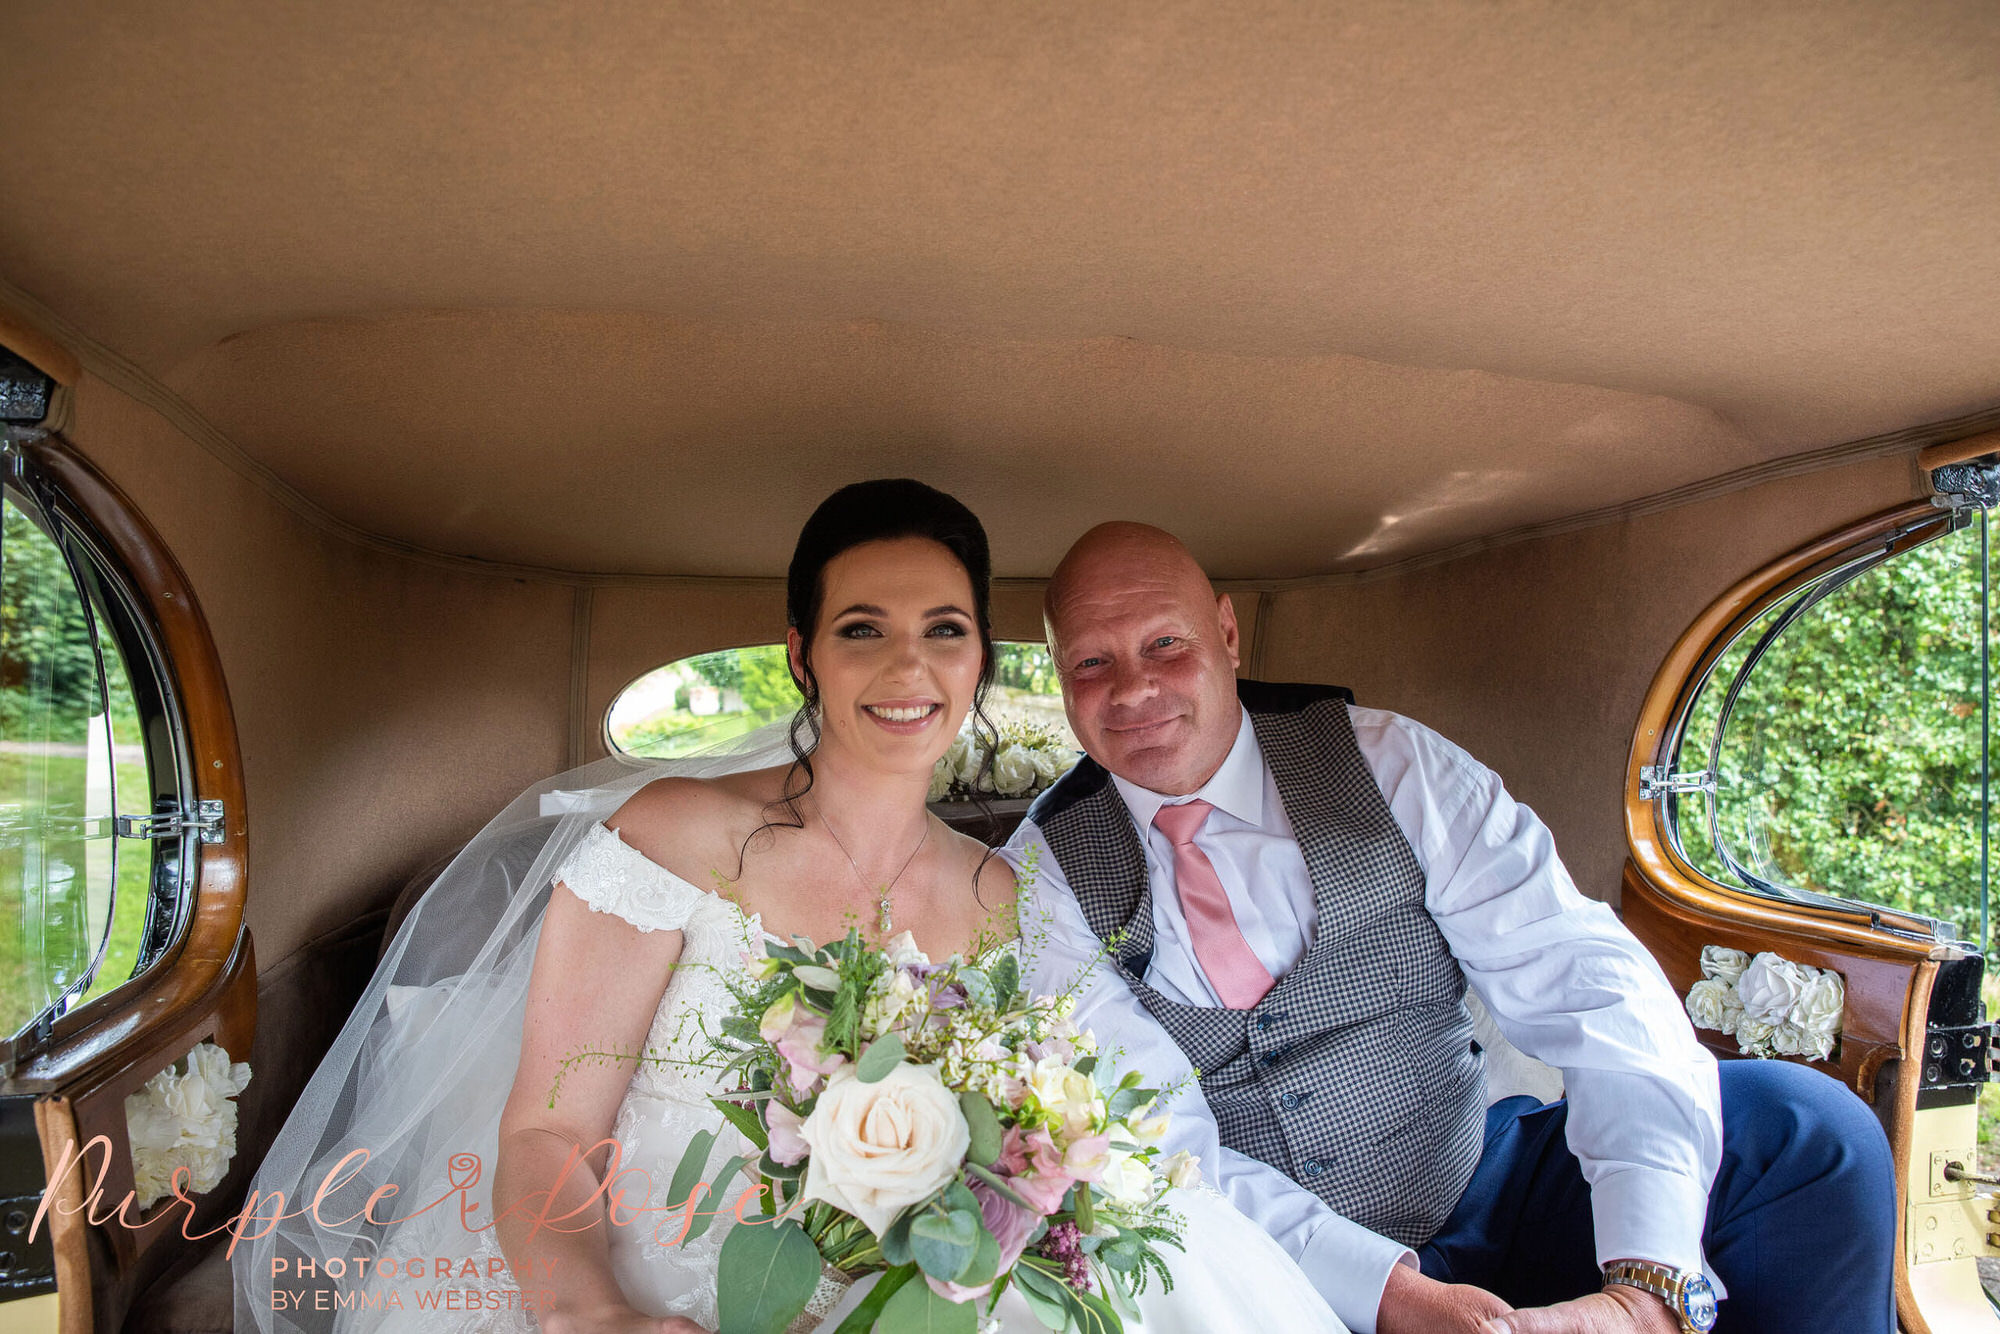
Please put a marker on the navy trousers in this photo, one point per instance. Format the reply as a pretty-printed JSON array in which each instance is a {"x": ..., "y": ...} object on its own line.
[{"x": 1801, "y": 1220}]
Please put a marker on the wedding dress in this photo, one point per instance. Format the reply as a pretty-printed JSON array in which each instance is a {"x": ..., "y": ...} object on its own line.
[{"x": 418, "y": 1077}]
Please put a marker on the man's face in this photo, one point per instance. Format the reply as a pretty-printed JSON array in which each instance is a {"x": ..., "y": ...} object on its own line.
[{"x": 1148, "y": 656}]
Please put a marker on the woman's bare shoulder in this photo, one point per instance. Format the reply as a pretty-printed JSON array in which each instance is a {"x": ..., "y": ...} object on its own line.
[{"x": 695, "y": 826}]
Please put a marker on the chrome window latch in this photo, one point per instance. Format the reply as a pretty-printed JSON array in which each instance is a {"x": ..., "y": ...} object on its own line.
[
  {"x": 1657, "y": 780},
  {"x": 207, "y": 823}
]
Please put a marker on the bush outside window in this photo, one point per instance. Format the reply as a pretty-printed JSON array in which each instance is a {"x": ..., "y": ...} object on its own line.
[{"x": 79, "y": 913}]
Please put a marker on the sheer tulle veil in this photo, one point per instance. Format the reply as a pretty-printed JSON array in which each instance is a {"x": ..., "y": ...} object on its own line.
[{"x": 419, "y": 1074}]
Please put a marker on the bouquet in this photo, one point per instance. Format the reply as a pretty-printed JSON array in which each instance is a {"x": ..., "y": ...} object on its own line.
[
  {"x": 935, "y": 1124},
  {"x": 1023, "y": 760}
]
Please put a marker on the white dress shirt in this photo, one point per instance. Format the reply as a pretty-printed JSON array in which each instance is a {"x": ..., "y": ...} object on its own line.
[{"x": 1563, "y": 978}]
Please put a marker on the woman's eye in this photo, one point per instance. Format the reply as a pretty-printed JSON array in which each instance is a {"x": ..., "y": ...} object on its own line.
[
  {"x": 948, "y": 630},
  {"x": 859, "y": 630}
]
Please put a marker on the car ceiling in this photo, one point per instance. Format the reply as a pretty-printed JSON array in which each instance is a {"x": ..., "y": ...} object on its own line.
[{"x": 627, "y": 287}]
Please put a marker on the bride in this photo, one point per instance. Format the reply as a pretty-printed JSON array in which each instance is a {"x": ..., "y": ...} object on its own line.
[{"x": 594, "y": 959}]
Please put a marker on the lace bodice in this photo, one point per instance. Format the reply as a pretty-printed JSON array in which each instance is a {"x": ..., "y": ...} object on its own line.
[{"x": 668, "y": 1101}]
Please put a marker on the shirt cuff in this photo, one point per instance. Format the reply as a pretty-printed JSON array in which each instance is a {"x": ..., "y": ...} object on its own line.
[
  {"x": 1646, "y": 1214},
  {"x": 1350, "y": 1266}
]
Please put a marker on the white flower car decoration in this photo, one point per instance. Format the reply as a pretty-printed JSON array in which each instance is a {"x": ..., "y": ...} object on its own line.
[
  {"x": 185, "y": 1120},
  {"x": 1770, "y": 1005}
]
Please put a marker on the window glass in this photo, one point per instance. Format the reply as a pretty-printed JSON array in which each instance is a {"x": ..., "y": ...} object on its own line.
[
  {"x": 58, "y": 851},
  {"x": 686, "y": 705},
  {"x": 1843, "y": 735}
]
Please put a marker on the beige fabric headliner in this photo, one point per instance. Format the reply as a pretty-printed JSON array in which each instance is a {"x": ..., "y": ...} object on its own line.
[{"x": 1376, "y": 277}]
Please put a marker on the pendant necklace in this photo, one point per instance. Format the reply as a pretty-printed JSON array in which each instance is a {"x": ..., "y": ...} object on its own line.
[{"x": 882, "y": 904}]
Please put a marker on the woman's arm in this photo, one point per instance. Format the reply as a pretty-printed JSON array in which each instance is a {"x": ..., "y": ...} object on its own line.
[{"x": 596, "y": 983}]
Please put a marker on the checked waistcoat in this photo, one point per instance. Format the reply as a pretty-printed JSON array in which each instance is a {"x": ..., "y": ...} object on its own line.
[{"x": 1355, "y": 1075}]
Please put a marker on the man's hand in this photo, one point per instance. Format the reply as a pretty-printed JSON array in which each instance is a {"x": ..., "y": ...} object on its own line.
[
  {"x": 1414, "y": 1304},
  {"x": 1619, "y": 1309}
]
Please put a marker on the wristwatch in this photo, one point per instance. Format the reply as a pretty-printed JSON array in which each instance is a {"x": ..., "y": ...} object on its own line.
[{"x": 1687, "y": 1292}]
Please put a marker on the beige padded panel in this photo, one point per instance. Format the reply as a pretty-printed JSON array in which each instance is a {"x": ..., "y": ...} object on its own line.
[
  {"x": 1536, "y": 657},
  {"x": 385, "y": 708},
  {"x": 1399, "y": 274}
]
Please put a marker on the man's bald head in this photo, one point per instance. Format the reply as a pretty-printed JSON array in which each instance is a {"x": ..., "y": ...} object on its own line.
[
  {"x": 1147, "y": 654},
  {"x": 1116, "y": 552}
]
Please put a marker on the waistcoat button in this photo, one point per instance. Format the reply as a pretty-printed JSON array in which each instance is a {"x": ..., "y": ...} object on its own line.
[
  {"x": 1289, "y": 1101},
  {"x": 1311, "y": 1167}
]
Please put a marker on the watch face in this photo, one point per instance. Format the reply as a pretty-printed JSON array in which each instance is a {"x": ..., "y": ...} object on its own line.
[{"x": 1698, "y": 1303}]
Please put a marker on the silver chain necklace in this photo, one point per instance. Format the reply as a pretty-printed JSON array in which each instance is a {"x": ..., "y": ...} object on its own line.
[{"x": 882, "y": 904}]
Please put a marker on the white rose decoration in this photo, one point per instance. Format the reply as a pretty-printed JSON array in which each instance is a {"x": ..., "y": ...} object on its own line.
[
  {"x": 1048, "y": 766},
  {"x": 1819, "y": 1010},
  {"x": 1708, "y": 1003},
  {"x": 879, "y": 1148},
  {"x": 185, "y": 1120},
  {"x": 1013, "y": 770},
  {"x": 1722, "y": 963},
  {"x": 1770, "y": 987},
  {"x": 969, "y": 758},
  {"x": 1753, "y": 1035},
  {"x": 942, "y": 774}
]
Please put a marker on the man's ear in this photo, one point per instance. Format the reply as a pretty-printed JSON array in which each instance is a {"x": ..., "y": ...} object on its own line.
[{"x": 1225, "y": 613}]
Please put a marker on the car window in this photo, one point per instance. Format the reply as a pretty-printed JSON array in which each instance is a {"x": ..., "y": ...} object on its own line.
[
  {"x": 78, "y": 910},
  {"x": 1838, "y": 746},
  {"x": 684, "y": 706}
]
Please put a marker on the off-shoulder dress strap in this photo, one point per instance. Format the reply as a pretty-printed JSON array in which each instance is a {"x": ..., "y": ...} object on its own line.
[{"x": 612, "y": 876}]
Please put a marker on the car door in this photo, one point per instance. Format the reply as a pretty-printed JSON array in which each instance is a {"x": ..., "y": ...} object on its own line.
[
  {"x": 1809, "y": 795},
  {"x": 125, "y": 970}
]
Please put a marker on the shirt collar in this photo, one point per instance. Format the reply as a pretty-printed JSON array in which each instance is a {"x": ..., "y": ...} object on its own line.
[{"x": 1236, "y": 788}]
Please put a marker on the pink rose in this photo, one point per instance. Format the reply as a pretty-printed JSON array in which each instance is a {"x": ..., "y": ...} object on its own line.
[{"x": 787, "y": 1145}]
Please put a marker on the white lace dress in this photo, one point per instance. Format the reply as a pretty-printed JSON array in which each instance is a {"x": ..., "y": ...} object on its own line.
[{"x": 1231, "y": 1277}]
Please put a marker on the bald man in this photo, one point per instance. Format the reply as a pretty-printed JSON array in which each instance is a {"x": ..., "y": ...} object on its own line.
[{"x": 1288, "y": 895}]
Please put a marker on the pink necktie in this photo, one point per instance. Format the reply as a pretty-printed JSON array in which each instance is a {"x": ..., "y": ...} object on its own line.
[{"x": 1232, "y": 967}]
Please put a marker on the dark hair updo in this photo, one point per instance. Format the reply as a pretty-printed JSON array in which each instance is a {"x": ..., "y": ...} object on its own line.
[{"x": 879, "y": 511}]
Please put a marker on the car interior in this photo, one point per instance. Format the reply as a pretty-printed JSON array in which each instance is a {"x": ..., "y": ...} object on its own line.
[{"x": 393, "y": 392}]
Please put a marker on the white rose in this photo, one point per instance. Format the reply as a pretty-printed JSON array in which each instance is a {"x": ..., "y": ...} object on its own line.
[
  {"x": 968, "y": 758},
  {"x": 1753, "y": 1035},
  {"x": 879, "y": 1148},
  {"x": 1048, "y": 766},
  {"x": 1769, "y": 988},
  {"x": 1708, "y": 1003},
  {"x": 1013, "y": 770},
  {"x": 1722, "y": 963},
  {"x": 1790, "y": 1040},
  {"x": 1819, "y": 1007},
  {"x": 942, "y": 774}
]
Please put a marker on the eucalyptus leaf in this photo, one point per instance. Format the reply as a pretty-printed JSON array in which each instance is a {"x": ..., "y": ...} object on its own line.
[
  {"x": 985, "y": 1261},
  {"x": 778, "y": 1171},
  {"x": 946, "y": 1244},
  {"x": 1086, "y": 1065},
  {"x": 764, "y": 1277},
  {"x": 957, "y": 1199},
  {"x": 916, "y": 1309},
  {"x": 896, "y": 1241},
  {"x": 988, "y": 1139},
  {"x": 883, "y": 1055}
]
